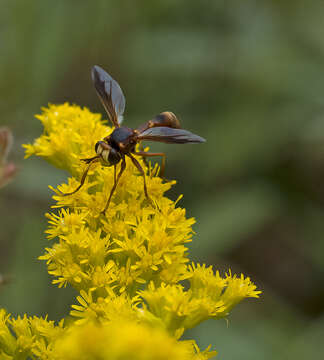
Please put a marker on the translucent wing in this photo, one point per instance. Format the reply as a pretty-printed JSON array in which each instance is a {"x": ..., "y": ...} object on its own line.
[
  {"x": 170, "y": 135},
  {"x": 110, "y": 94}
]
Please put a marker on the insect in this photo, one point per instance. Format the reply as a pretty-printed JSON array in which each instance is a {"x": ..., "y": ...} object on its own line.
[{"x": 113, "y": 149}]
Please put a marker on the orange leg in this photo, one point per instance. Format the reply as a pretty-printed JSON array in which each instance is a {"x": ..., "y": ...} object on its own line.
[{"x": 147, "y": 154}]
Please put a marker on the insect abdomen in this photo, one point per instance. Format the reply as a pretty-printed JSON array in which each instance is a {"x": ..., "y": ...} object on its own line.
[{"x": 166, "y": 118}]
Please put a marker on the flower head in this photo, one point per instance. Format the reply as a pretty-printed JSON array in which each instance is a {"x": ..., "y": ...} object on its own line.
[
  {"x": 124, "y": 340},
  {"x": 24, "y": 337},
  {"x": 129, "y": 266}
]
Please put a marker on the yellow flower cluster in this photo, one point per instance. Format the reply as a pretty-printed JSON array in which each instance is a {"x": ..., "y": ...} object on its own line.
[
  {"x": 137, "y": 291},
  {"x": 124, "y": 340},
  {"x": 25, "y": 338}
]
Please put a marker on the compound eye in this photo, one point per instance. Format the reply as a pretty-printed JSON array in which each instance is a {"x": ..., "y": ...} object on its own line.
[{"x": 113, "y": 157}]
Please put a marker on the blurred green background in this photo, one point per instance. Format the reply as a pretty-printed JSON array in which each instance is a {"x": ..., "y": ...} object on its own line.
[{"x": 246, "y": 75}]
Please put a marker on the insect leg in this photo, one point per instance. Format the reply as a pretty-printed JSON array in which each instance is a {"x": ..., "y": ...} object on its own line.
[
  {"x": 141, "y": 148},
  {"x": 139, "y": 167},
  {"x": 147, "y": 154},
  {"x": 122, "y": 168},
  {"x": 84, "y": 175},
  {"x": 89, "y": 160},
  {"x": 115, "y": 173}
]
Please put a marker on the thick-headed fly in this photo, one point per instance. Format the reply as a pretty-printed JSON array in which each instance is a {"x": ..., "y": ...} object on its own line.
[{"x": 113, "y": 149}]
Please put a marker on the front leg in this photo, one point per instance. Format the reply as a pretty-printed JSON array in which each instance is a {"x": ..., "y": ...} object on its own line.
[
  {"x": 84, "y": 175},
  {"x": 122, "y": 168}
]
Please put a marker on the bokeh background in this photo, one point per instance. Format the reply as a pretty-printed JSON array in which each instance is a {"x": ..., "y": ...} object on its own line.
[{"x": 248, "y": 76}]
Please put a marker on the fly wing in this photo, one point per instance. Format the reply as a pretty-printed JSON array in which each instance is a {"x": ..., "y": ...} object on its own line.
[
  {"x": 110, "y": 94},
  {"x": 170, "y": 135}
]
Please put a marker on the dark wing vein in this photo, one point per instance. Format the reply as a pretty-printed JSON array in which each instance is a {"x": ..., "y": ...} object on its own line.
[
  {"x": 170, "y": 135},
  {"x": 110, "y": 94}
]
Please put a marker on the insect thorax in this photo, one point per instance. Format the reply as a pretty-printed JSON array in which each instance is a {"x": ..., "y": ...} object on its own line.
[
  {"x": 122, "y": 139},
  {"x": 121, "y": 135}
]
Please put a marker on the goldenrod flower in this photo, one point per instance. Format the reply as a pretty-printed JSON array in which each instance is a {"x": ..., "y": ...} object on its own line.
[
  {"x": 67, "y": 130},
  {"x": 137, "y": 291},
  {"x": 24, "y": 337},
  {"x": 124, "y": 340}
]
